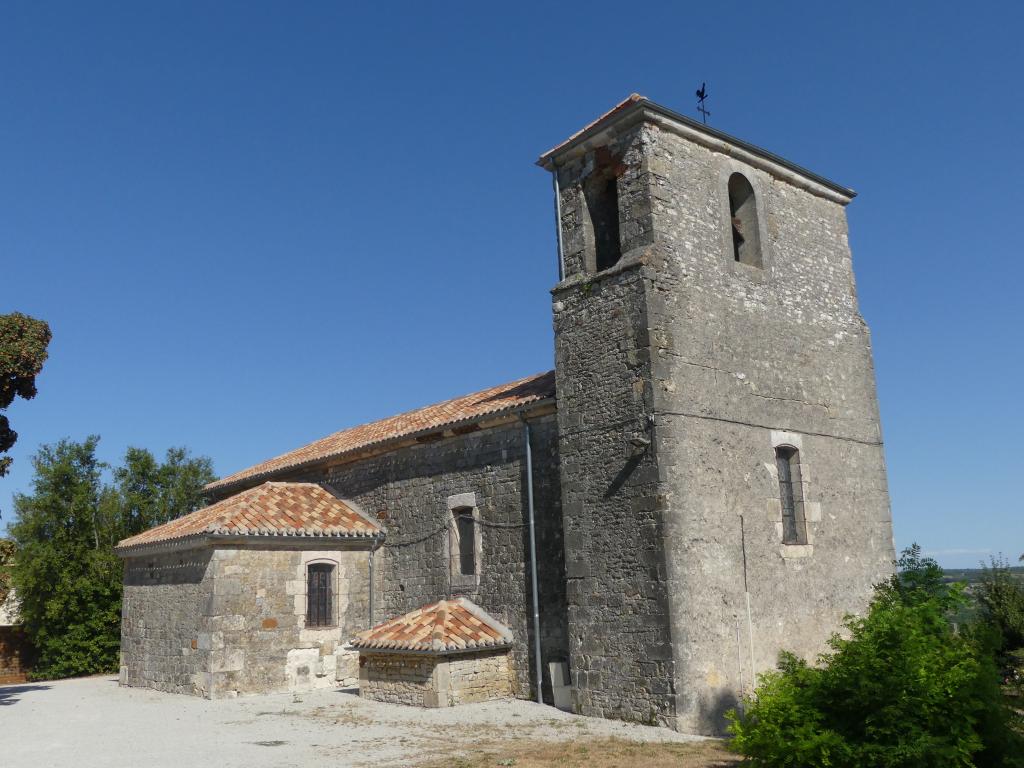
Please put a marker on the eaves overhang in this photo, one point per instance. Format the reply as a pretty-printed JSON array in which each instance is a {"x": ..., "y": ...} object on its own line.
[
  {"x": 372, "y": 650},
  {"x": 638, "y": 108},
  {"x": 260, "y": 540},
  {"x": 497, "y": 417}
]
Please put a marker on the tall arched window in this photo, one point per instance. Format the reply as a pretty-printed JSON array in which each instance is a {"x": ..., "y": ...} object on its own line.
[
  {"x": 746, "y": 236},
  {"x": 791, "y": 495}
]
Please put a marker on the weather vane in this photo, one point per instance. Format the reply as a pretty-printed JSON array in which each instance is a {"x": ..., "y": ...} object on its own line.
[{"x": 701, "y": 95}]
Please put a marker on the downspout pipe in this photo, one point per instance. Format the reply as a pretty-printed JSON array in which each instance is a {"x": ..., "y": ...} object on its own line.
[
  {"x": 558, "y": 221},
  {"x": 533, "y": 562},
  {"x": 746, "y": 594}
]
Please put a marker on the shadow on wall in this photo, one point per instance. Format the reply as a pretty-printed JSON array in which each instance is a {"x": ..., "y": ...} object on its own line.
[
  {"x": 620, "y": 479},
  {"x": 713, "y": 710},
  {"x": 9, "y": 693}
]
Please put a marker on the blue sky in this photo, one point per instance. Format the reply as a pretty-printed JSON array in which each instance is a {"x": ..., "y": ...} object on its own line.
[{"x": 251, "y": 224}]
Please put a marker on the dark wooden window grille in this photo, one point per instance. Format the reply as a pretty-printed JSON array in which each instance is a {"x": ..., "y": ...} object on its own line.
[
  {"x": 319, "y": 595},
  {"x": 794, "y": 529},
  {"x": 466, "y": 528}
]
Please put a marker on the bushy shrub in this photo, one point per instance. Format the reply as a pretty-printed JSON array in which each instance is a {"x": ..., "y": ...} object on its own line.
[{"x": 898, "y": 688}]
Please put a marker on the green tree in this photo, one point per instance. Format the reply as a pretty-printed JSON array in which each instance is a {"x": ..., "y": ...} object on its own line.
[
  {"x": 23, "y": 342},
  {"x": 67, "y": 576},
  {"x": 150, "y": 493},
  {"x": 901, "y": 688},
  {"x": 1001, "y": 597},
  {"x": 68, "y": 582}
]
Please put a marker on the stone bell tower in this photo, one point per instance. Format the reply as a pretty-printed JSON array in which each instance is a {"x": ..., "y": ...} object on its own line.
[{"x": 719, "y": 434}]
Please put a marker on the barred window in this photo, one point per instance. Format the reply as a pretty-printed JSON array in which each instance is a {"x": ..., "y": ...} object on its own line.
[
  {"x": 465, "y": 532},
  {"x": 794, "y": 527},
  {"x": 319, "y": 595}
]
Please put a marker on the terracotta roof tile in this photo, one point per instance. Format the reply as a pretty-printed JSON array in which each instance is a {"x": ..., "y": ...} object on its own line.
[
  {"x": 447, "y": 626},
  {"x": 271, "y": 509},
  {"x": 630, "y": 100},
  {"x": 460, "y": 409}
]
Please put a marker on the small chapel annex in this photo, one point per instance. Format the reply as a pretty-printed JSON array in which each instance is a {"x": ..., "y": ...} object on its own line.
[{"x": 697, "y": 484}]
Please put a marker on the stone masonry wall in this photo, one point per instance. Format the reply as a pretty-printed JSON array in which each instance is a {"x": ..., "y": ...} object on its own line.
[
  {"x": 162, "y": 616},
  {"x": 229, "y": 621},
  {"x": 409, "y": 491},
  {"x": 14, "y": 654},
  {"x": 746, "y": 359},
  {"x": 436, "y": 681},
  {"x": 398, "y": 678},
  {"x": 255, "y": 621},
  {"x": 619, "y": 624},
  {"x": 475, "y": 677}
]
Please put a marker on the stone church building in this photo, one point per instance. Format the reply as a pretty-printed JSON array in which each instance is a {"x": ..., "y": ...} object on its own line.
[{"x": 700, "y": 479}]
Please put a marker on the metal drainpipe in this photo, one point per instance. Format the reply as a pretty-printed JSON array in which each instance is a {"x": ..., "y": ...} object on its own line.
[
  {"x": 533, "y": 563},
  {"x": 746, "y": 594},
  {"x": 558, "y": 221}
]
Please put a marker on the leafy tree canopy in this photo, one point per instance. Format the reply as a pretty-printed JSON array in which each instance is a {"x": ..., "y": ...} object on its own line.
[
  {"x": 23, "y": 342},
  {"x": 1001, "y": 596},
  {"x": 66, "y": 574},
  {"x": 151, "y": 493}
]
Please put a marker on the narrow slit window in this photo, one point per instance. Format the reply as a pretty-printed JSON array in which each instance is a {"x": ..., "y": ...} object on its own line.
[
  {"x": 746, "y": 236},
  {"x": 794, "y": 527},
  {"x": 319, "y": 595},
  {"x": 465, "y": 533},
  {"x": 603, "y": 206}
]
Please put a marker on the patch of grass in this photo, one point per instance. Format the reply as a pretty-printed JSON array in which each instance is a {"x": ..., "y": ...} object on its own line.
[
  {"x": 345, "y": 715},
  {"x": 593, "y": 753}
]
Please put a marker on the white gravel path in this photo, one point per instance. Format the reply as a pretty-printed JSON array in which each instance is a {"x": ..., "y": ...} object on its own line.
[{"x": 93, "y": 723}]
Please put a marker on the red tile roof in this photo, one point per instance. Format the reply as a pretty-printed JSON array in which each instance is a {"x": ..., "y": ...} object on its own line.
[
  {"x": 447, "y": 626},
  {"x": 468, "y": 408},
  {"x": 629, "y": 101},
  {"x": 271, "y": 509}
]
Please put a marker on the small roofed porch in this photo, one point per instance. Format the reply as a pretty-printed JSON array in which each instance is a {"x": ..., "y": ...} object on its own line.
[{"x": 444, "y": 654}]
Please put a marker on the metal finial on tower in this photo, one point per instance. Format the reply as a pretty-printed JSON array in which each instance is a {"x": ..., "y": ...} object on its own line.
[{"x": 701, "y": 95}]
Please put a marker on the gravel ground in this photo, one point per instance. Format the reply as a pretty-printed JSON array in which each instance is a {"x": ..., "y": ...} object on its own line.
[{"x": 93, "y": 723}]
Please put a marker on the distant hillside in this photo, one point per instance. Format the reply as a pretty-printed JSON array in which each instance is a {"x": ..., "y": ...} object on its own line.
[{"x": 973, "y": 575}]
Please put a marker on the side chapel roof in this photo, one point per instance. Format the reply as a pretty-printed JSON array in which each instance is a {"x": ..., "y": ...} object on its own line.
[{"x": 270, "y": 509}]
